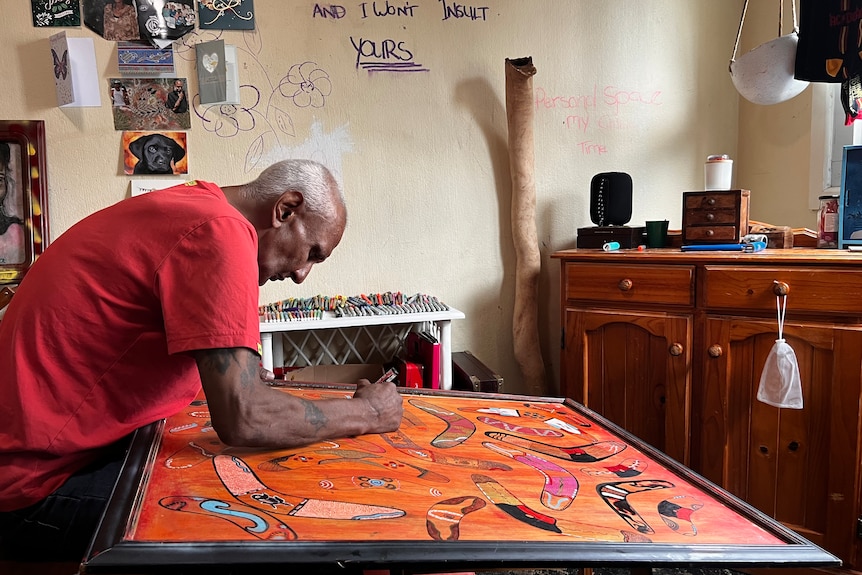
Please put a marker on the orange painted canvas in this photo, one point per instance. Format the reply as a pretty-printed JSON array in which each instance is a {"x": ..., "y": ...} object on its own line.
[{"x": 468, "y": 470}]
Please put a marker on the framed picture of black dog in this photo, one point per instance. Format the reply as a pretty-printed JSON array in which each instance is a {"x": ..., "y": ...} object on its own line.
[
  {"x": 850, "y": 200},
  {"x": 23, "y": 197},
  {"x": 154, "y": 153}
]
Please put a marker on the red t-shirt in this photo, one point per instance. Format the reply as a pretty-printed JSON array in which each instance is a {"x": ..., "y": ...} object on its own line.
[{"x": 92, "y": 344}]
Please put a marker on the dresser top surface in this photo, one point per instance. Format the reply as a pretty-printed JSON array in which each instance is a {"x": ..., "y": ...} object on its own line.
[{"x": 793, "y": 256}]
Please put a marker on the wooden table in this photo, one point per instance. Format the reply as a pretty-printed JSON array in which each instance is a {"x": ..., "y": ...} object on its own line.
[{"x": 469, "y": 481}]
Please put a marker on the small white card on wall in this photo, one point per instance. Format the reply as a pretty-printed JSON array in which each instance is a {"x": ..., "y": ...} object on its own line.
[
  {"x": 146, "y": 186},
  {"x": 76, "y": 77},
  {"x": 218, "y": 76},
  {"x": 212, "y": 74},
  {"x": 232, "y": 75}
]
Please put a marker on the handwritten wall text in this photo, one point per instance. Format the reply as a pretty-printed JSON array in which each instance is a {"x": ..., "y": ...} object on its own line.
[{"x": 607, "y": 110}]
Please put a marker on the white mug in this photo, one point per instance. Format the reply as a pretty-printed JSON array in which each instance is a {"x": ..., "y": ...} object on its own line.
[{"x": 718, "y": 172}]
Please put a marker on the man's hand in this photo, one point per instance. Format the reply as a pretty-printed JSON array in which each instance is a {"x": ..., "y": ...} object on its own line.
[{"x": 385, "y": 401}]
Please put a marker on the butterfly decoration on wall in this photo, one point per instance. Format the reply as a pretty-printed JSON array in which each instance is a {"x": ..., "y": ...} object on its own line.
[{"x": 61, "y": 65}]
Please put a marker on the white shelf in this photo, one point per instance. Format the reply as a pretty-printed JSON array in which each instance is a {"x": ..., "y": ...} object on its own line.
[
  {"x": 359, "y": 339},
  {"x": 329, "y": 321}
]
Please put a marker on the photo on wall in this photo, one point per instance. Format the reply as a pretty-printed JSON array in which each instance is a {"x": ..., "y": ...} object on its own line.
[
  {"x": 115, "y": 20},
  {"x": 23, "y": 197},
  {"x": 151, "y": 153},
  {"x": 149, "y": 103},
  {"x": 164, "y": 21},
  {"x": 11, "y": 204}
]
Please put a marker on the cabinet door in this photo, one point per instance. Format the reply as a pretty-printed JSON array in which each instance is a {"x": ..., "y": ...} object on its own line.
[
  {"x": 798, "y": 466},
  {"x": 634, "y": 369}
]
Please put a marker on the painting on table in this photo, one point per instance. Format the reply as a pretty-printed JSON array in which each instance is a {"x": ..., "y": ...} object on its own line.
[{"x": 469, "y": 479}]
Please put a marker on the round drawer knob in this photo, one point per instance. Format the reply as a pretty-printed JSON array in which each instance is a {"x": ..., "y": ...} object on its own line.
[
  {"x": 715, "y": 350},
  {"x": 676, "y": 349},
  {"x": 710, "y": 233},
  {"x": 710, "y": 217},
  {"x": 710, "y": 201},
  {"x": 780, "y": 288},
  {"x": 625, "y": 284}
]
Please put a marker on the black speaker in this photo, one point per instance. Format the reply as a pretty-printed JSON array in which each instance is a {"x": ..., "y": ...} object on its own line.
[{"x": 611, "y": 199}]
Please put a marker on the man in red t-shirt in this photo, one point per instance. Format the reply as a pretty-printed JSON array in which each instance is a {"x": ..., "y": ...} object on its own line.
[{"x": 128, "y": 313}]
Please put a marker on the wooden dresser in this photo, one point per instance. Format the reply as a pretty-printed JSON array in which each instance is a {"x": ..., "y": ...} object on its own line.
[{"x": 670, "y": 345}]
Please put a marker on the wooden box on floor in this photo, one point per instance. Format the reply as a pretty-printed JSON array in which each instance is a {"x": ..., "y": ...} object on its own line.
[{"x": 470, "y": 374}]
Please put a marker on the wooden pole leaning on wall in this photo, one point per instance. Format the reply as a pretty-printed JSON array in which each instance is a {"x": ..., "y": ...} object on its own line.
[{"x": 519, "y": 115}]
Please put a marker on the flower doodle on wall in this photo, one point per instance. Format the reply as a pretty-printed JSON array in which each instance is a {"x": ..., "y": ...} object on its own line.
[
  {"x": 227, "y": 120},
  {"x": 262, "y": 110},
  {"x": 311, "y": 85}
]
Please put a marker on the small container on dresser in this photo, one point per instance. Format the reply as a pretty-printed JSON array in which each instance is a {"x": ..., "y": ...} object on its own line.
[
  {"x": 827, "y": 222},
  {"x": 714, "y": 216}
]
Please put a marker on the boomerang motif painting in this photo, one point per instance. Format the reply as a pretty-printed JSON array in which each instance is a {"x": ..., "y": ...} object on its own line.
[
  {"x": 462, "y": 468},
  {"x": 502, "y": 470}
]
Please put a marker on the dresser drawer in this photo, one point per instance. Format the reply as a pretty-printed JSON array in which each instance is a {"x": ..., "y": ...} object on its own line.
[
  {"x": 714, "y": 217},
  {"x": 729, "y": 200},
  {"x": 728, "y": 234},
  {"x": 810, "y": 289},
  {"x": 669, "y": 285}
]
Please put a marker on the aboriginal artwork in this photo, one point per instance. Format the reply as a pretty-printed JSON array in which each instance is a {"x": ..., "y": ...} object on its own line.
[{"x": 460, "y": 468}]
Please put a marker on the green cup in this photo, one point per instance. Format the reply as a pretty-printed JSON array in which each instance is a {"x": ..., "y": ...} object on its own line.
[{"x": 656, "y": 233}]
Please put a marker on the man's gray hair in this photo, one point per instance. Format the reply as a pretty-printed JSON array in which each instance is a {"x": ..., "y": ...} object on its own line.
[{"x": 312, "y": 179}]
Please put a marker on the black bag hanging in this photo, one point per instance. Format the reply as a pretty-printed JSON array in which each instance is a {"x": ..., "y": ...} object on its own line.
[{"x": 830, "y": 40}]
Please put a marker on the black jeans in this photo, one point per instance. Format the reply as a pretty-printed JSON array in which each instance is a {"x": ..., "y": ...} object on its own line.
[{"x": 60, "y": 527}]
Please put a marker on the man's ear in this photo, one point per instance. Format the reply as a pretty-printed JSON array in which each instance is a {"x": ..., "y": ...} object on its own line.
[{"x": 286, "y": 206}]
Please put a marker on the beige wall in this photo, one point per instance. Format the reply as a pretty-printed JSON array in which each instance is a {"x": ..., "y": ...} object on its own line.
[
  {"x": 423, "y": 157},
  {"x": 775, "y": 141}
]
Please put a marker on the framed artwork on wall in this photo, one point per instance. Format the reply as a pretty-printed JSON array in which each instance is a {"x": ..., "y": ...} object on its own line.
[{"x": 23, "y": 197}]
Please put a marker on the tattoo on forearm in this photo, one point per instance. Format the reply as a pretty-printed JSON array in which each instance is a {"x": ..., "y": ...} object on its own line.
[
  {"x": 250, "y": 377},
  {"x": 220, "y": 360},
  {"x": 314, "y": 415}
]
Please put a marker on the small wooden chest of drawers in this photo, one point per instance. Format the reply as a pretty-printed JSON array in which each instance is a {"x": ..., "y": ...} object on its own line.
[{"x": 714, "y": 217}]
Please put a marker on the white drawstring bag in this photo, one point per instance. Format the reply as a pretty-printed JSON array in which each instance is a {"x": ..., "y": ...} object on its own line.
[{"x": 780, "y": 384}]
